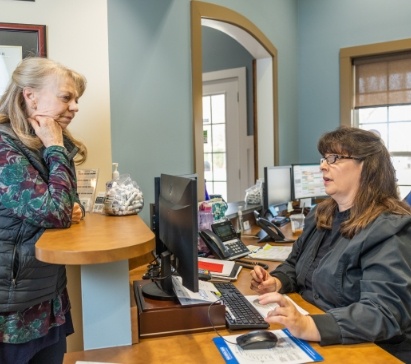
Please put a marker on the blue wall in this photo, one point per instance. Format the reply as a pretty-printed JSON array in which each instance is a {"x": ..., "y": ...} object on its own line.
[
  {"x": 150, "y": 82},
  {"x": 325, "y": 26},
  {"x": 150, "y": 73}
]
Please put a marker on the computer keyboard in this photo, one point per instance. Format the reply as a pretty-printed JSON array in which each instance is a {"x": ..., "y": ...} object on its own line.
[{"x": 240, "y": 313}]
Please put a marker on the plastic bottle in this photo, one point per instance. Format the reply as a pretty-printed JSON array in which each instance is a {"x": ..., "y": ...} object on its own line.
[
  {"x": 115, "y": 174},
  {"x": 205, "y": 217},
  {"x": 209, "y": 218}
]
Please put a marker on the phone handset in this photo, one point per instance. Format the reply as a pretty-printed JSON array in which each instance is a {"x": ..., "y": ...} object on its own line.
[
  {"x": 215, "y": 243},
  {"x": 269, "y": 230}
]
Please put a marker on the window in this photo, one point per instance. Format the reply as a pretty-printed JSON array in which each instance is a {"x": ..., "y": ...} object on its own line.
[
  {"x": 376, "y": 95},
  {"x": 215, "y": 150},
  {"x": 228, "y": 161}
]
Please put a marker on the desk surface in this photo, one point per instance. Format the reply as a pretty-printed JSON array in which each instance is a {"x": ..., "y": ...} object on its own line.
[
  {"x": 96, "y": 239},
  {"x": 199, "y": 348}
]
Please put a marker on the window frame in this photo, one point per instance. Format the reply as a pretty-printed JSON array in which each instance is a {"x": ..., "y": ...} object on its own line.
[
  {"x": 347, "y": 71},
  {"x": 347, "y": 87}
]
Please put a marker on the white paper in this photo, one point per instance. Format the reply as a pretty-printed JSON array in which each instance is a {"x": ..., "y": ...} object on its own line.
[
  {"x": 253, "y": 248},
  {"x": 206, "y": 292},
  {"x": 98, "y": 206},
  {"x": 277, "y": 253},
  {"x": 228, "y": 266},
  {"x": 285, "y": 352},
  {"x": 265, "y": 309},
  {"x": 10, "y": 56},
  {"x": 86, "y": 187}
]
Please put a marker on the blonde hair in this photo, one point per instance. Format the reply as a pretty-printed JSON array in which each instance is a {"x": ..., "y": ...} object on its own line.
[{"x": 35, "y": 72}]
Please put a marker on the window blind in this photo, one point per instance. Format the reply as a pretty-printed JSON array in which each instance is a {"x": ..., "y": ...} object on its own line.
[{"x": 382, "y": 80}]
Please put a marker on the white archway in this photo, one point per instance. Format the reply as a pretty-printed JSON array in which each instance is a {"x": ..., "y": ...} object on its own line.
[{"x": 257, "y": 44}]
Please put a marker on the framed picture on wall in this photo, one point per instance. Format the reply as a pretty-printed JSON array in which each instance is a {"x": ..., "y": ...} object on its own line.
[
  {"x": 31, "y": 37},
  {"x": 18, "y": 41}
]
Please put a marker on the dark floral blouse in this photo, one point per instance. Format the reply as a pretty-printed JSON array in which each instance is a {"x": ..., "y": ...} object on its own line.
[
  {"x": 42, "y": 204},
  {"x": 33, "y": 322}
]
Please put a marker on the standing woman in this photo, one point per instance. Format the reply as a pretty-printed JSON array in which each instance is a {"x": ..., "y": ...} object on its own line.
[
  {"x": 353, "y": 259},
  {"x": 37, "y": 192}
]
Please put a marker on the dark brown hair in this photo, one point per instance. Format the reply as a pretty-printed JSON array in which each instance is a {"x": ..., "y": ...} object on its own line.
[{"x": 378, "y": 191}]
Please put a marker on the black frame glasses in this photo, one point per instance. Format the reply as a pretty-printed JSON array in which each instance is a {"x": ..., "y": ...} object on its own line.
[{"x": 332, "y": 158}]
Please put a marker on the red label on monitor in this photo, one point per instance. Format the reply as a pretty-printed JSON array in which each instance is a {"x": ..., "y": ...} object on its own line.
[{"x": 212, "y": 267}]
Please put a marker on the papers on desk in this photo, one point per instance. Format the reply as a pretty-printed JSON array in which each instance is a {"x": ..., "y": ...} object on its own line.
[
  {"x": 206, "y": 292},
  {"x": 220, "y": 270},
  {"x": 277, "y": 253},
  {"x": 265, "y": 309},
  {"x": 289, "y": 350}
]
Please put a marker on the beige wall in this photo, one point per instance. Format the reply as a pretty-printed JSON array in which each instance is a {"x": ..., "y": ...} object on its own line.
[{"x": 77, "y": 37}]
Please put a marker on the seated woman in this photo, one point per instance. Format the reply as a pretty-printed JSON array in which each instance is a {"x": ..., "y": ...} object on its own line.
[{"x": 353, "y": 259}]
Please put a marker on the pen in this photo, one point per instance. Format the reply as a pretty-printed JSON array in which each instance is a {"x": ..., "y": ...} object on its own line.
[
  {"x": 230, "y": 313},
  {"x": 245, "y": 262},
  {"x": 265, "y": 266}
]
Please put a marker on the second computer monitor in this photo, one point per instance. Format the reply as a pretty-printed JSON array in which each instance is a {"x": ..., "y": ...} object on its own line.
[
  {"x": 277, "y": 186},
  {"x": 307, "y": 181},
  {"x": 177, "y": 235}
]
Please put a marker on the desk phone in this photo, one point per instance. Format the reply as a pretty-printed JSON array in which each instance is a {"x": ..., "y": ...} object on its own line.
[
  {"x": 223, "y": 241},
  {"x": 269, "y": 231}
]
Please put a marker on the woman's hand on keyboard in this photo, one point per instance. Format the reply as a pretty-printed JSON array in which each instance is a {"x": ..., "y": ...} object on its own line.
[
  {"x": 263, "y": 282},
  {"x": 301, "y": 326}
]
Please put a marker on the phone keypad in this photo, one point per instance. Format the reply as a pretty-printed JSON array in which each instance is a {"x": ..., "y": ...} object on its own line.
[{"x": 237, "y": 248}]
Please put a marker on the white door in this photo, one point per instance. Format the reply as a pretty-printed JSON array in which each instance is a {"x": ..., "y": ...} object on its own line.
[{"x": 228, "y": 151}]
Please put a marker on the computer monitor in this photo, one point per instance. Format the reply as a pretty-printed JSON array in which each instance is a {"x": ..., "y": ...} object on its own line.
[
  {"x": 160, "y": 247},
  {"x": 178, "y": 231},
  {"x": 277, "y": 186},
  {"x": 307, "y": 181}
]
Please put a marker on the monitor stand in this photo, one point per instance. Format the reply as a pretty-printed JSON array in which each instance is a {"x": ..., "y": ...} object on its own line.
[
  {"x": 161, "y": 288},
  {"x": 154, "y": 291},
  {"x": 161, "y": 317}
]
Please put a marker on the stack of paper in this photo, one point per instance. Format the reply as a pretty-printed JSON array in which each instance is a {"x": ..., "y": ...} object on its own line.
[
  {"x": 277, "y": 253},
  {"x": 207, "y": 293},
  {"x": 220, "y": 269}
]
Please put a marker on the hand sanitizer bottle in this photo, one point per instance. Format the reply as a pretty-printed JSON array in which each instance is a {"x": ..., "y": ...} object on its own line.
[{"x": 115, "y": 174}]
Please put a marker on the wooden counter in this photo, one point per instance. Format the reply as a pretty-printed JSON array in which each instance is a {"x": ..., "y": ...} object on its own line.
[
  {"x": 96, "y": 239},
  {"x": 101, "y": 245}
]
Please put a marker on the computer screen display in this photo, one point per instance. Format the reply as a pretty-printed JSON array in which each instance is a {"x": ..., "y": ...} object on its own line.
[
  {"x": 277, "y": 186},
  {"x": 178, "y": 232},
  {"x": 307, "y": 181}
]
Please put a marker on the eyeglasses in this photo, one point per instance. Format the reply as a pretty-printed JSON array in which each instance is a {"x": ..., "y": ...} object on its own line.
[{"x": 332, "y": 158}]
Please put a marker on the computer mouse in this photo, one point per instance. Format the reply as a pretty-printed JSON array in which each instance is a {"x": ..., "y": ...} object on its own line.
[{"x": 257, "y": 339}]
